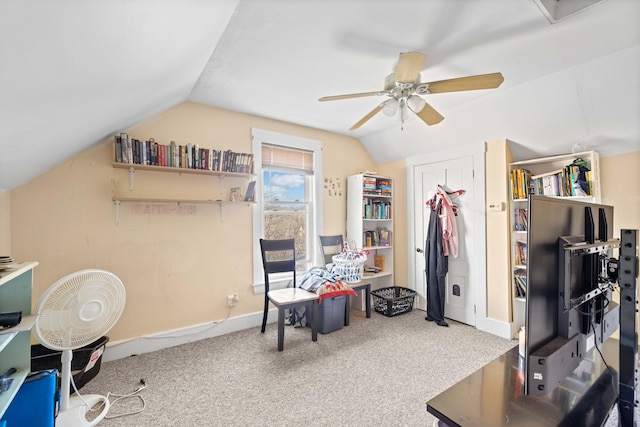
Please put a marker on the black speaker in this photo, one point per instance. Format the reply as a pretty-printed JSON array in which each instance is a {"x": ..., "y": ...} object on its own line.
[{"x": 8, "y": 320}]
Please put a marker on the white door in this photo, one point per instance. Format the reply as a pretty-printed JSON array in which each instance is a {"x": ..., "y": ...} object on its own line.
[{"x": 453, "y": 175}]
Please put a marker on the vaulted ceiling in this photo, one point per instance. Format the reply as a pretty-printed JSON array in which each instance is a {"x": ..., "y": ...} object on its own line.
[{"x": 74, "y": 72}]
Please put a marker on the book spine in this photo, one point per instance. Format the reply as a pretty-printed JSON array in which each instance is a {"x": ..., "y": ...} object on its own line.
[{"x": 118, "y": 149}]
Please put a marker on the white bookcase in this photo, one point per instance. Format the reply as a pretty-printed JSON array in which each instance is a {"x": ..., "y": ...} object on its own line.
[
  {"x": 369, "y": 211},
  {"x": 15, "y": 343},
  {"x": 543, "y": 171}
]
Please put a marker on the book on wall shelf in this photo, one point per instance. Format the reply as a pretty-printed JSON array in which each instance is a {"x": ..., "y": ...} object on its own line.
[
  {"x": 250, "y": 194},
  {"x": 185, "y": 156},
  {"x": 235, "y": 194}
]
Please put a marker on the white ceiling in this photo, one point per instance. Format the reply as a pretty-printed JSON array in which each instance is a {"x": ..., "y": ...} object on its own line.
[{"x": 74, "y": 72}]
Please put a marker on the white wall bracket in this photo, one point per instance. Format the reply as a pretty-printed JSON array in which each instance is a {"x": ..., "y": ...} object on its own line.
[
  {"x": 116, "y": 204},
  {"x": 132, "y": 173}
]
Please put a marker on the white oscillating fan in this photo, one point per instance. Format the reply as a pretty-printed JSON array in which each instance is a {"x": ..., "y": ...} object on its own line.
[{"x": 74, "y": 312}]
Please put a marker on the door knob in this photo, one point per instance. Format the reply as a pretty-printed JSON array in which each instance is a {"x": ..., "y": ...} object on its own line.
[{"x": 419, "y": 250}]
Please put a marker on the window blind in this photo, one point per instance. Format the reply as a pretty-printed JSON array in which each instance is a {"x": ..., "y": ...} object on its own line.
[{"x": 283, "y": 158}]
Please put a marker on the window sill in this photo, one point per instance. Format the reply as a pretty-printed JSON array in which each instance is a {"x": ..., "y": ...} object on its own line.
[{"x": 275, "y": 283}]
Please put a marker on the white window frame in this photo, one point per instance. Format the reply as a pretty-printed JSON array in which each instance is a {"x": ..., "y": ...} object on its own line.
[{"x": 258, "y": 137}]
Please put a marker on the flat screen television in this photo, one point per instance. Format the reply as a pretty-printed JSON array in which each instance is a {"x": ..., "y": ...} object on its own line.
[{"x": 558, "y": 331}]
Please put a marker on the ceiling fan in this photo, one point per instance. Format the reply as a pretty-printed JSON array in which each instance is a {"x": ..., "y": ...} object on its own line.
[{"x": 404, "y": 86}]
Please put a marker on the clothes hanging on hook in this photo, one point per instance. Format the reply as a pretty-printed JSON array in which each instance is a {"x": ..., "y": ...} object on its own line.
[
  {"x": 453, "y": 194},
  {"x": 442, "y": 241},
  {"x": 436, "y": 266},
  {"x": 447, "y": 213}
]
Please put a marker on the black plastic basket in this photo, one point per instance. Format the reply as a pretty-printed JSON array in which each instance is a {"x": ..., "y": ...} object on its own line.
[
  {"x": 393, "y": 301},
  {"x": 85, "y": 363}
]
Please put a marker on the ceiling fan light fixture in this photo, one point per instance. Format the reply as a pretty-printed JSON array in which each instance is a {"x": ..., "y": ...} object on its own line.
[
  {"x": 390, "y": 107},
  {"x": 415, "y": 103},
  {"x": 404, "y": 88}
]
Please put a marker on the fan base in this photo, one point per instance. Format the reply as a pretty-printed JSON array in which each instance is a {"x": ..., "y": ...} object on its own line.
[{"x": 76, "y": 414}]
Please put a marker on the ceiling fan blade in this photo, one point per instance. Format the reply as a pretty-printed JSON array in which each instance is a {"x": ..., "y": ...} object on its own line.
[
  {"x": 409, "y": 66},
  {"x": 367, "y": 117},
  {"x": 429, "y": 115},
  {"x": 353, "y": 95},
  {"x": 482, "y": 81}
]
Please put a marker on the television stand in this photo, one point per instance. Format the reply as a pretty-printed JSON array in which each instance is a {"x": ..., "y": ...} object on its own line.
[{"x": 493, "y": 395}]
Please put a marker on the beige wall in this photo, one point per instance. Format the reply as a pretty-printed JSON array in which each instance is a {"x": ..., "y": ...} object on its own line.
[
  {"x": 620, "y": 176},
  {"x": 619, "y": 185},
  {"x": 178, "y": 266},
  {"x": 5, "y": 223},
  {"x": 499, "y": 301}
]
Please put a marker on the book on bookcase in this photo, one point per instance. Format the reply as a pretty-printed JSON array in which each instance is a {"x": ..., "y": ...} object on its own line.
[
  {"x": 520, "y": 181},
  {"x": 378, "y": 261},
  {"x": 385, "y": 237}
]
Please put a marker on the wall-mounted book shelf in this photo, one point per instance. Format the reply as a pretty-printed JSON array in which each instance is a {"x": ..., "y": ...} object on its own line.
[
  {"x": 119, "y": 198},
  {"x": 133, "y": 154},
  {"x": 132, "y": 167}
]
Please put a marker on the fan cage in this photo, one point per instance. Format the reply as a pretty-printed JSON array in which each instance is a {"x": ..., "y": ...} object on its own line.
[{"x": 78, "y": 309}]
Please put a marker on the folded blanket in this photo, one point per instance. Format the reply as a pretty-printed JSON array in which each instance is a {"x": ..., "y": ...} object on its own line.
[{"x": 330, "y": 290}]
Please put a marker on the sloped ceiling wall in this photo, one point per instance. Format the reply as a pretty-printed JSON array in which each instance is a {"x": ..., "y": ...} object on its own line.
[{"x": 75, "y": 72}]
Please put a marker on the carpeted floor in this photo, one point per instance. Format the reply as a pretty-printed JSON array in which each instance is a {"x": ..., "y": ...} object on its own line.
[{"x": 377, "y": 371}]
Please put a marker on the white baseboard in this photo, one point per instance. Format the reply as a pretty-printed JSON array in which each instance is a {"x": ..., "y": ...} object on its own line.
[
  {"x": 146, "y": 344},
  {"x": 495, "y": 327},
  {"x": 166, "y": 339}
]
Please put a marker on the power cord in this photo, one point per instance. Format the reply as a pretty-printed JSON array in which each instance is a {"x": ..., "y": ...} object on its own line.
[
  {"x": 119, "y": 397},
  {"x": 99, "y": 407}
]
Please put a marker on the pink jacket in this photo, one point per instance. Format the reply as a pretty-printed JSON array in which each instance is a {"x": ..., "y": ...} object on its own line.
[{"x": 447, "y": 216}]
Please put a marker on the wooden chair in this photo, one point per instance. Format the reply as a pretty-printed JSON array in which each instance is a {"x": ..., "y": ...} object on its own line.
[
  {"x": 331, "y": 245},
  {"x": 288, "y": 298}
]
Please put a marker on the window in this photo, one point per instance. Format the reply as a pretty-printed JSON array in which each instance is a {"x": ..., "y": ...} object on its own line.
[{"x": 289, "y": 199}]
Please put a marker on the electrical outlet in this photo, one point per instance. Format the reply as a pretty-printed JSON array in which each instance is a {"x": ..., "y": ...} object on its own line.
[{"x": 232, "y": 300}]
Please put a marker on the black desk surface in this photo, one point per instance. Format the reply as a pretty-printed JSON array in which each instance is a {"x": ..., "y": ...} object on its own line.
[{"x": 493, "y": 395}]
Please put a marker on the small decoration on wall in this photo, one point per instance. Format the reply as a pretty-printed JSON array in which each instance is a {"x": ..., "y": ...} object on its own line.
[{"x": 333, "y": 186}]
